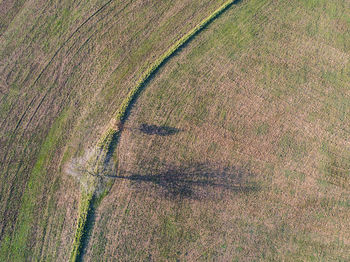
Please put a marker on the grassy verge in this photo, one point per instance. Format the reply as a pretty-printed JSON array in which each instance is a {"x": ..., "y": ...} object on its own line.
[
  {"x": 108, "y": 139},
  {"x": 84, "y": 208}
]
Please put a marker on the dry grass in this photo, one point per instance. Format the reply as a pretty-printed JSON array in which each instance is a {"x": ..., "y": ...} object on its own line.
[
  {"x": 263, "y": 91},
  {"x": 94, "y": 168},
  {"x": 258, "y": 169},
  {"x": 85, "y": 81}
]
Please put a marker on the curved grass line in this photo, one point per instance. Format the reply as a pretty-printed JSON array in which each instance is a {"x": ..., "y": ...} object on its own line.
[
  {"x": 109, "y": 138},
  {"x": 121, "y": 115}
]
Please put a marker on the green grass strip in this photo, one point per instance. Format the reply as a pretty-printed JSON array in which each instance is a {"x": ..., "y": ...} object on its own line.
[
  {"x": 107, "y": 138},
  {"x": 83, "y": 214}
]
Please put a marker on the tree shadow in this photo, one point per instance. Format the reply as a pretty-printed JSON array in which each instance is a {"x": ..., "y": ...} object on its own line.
[
  {"x": 198, "y": 181},
  {"x": 158, "y": 130}
]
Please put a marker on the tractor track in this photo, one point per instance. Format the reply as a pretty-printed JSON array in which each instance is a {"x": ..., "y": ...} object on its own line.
[
  {"x": 14, "y": 131},
  {"x": 24, "y": 114}
]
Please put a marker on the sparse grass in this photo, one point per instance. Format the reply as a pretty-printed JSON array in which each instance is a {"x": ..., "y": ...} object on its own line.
[
  {"x": 128, "y": 101},
  {"x": 57, "y": 56},
  {"x": 243, "y": 93},
  {"x": 111, "y": 136},
  {"x": 21, "y": 241},
  {"x": 264, "y": 89}
]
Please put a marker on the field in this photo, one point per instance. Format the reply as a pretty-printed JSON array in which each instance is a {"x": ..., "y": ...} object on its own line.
[{"x": 235, "y": 149}]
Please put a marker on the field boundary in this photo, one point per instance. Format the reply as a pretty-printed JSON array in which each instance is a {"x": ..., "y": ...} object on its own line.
[{"x": 109, "y": 139}]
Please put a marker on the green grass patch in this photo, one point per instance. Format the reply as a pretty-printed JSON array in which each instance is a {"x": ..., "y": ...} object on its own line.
[{"x": 17, "y": 249}]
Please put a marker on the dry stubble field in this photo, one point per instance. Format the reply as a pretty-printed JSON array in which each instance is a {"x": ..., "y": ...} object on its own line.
[
  {"x": 256, "y": 163},
  {"x": 238, "y": 148},
  {"x": 65, "y": 68}
]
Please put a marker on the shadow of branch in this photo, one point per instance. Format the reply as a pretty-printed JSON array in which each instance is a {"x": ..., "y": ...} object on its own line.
[{"x": 158, "y": 130}]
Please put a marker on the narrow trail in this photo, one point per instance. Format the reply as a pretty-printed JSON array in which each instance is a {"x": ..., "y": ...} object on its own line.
[{"x": 96, "y": 164}]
